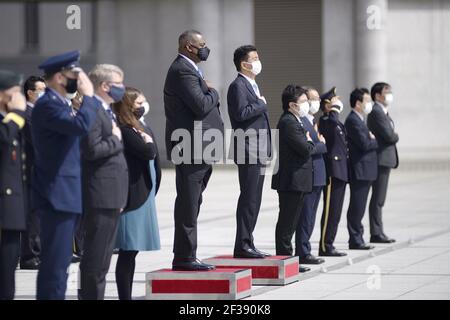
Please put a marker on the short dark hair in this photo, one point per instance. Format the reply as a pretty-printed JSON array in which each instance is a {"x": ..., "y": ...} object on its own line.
[
  {"x": 30, "y": 84},
  {"x": 357, "y": 95},
  {"x": 187, "y": 36},
  {"x": 291, "y": 94},
  {"x": 241, "y": 54},
  {"x": 378, "y": 88}
]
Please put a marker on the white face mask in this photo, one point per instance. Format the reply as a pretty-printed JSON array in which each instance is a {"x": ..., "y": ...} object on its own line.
[
  {"x": 389, "y": 98},
  {"x": 368, "y": 108},
  {"x": 40, "y": 94},
  {"x": 256, "y": 67},
  {"x": 337, "y": 106},
  {"x": 314, "y": 107},
  {"x": 146, "y": 107},
  {"x": 303, "y": 108}
]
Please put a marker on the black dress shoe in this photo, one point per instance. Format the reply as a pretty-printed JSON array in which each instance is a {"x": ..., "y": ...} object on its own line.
[
  {"x": 32, "y": 264},
  {"x": 303, "y": 269},
  {"x": 310, "y": 259},
  {"x": 248, "y": 254},
  {"x": 196, "y": 265},
  {"x": 381, "y": 239},
  {"x": 360, "y": 246},
  {"x": 332, "y": 253},
  {"x": 265, "y": 254}
]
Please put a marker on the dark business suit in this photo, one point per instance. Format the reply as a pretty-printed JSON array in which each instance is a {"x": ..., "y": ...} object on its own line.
[
  {"x": 248, "y": 116},
  {"x": 311, "y": 200},
  {"x": 56, "y": 184},
  {"x": 30, "y": 240},
  {"x": 363, "y": 160},
  {"x": 292, "y": 179},
  {"x": 105, "y": 192},
  {"x": 188, "y": 99},
  {"x": 13, "y": 201},
  {"x": 336, "y": 163},
  {"x": 382, "y": 127}
]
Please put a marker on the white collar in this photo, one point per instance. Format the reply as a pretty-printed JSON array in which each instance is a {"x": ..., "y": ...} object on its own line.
[
  {"x": 104, "y": 104},
  {"x": 190, "y": 61},
  {"x": 310, "y": 117},
  {"x": 385, "y": 109},
  {"x": 359, "y": 114},
  {"x": 252, "y": 82},
  {"x": 31, "y": 105}
]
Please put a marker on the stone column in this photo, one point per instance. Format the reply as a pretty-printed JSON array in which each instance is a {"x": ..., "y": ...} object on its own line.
[{"x": 370, "y": 42}]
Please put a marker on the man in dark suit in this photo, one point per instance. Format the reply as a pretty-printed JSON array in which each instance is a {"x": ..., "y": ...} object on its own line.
[
  {"x": 293, "y": 176},
  {"x": 363, "y": 159},
  {"x": 311, "y": 199},
  {"x": 382, "y": 126},
  {"x": 191, "y": 107},
  {"x": 105, "y": 183},
  {"x": 248, "y": 115},
  {"x": 336, "y": 163},
  {"x": 56, "y": 183},
  {"x": 12, "y": 179},
  {"x": 34, "y": 88}
]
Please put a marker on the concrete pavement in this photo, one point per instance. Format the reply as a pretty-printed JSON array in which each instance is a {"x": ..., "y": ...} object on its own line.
[{"x": 417, "y": 214}]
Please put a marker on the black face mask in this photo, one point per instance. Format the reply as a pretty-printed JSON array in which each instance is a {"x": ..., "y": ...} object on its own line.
[
  {"x": 202, "y": 53},
  {"x": 72, "y": 85},
  {"x": 139, "y": 112}
]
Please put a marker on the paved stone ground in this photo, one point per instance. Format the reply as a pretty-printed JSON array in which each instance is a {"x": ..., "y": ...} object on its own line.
[{"x": 417, "y": 214}]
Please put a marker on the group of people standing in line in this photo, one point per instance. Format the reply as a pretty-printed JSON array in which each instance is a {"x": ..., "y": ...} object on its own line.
[{"x": 76, "y": 154}]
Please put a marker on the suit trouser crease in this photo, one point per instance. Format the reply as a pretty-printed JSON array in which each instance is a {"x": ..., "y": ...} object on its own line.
[
  {"x": 57, "y": 230},
  {"x": 334, "y": 193},
  {"x": 379, "y": 193},
  {"x": 307, "y": 221},
  {"x": 359, "y": 191},
  {"x": 191, "y": 181},
  {"x": 9, "y": 256},
  {"x": 101, "y": 226},
  {"x": 290, "y": 204},
  {"x": 251, "y": 182}
]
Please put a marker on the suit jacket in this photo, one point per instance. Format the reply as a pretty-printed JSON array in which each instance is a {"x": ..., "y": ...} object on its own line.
[
  {"x": 362, "y": 149},
  {"x": 382, "y": 127},
  {"x": 138, "y": 154},
  {"x": 294, "y": 158},
  {"x": 56, "y": 133},
  {"x": 320, "y": 149},
  {"x": 12, "y": 176},
  {"x": 336, "y": 159},
  {"x": 29, "y": 151},
  {"x": 187, "y": 99},
  {"x": 104, "y": 168},
  {"x": 248, "y": 114}
]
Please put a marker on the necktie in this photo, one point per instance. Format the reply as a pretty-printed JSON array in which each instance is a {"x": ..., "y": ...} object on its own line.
[
  {"x": 111, "y": 114},
  {"x": 255, "y": 87},
  {"x": 200, "y": 72}
]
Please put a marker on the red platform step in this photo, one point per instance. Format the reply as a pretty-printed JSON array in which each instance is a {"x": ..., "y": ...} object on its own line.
[
  {"x": 274, "y": 270},
  {"x": 223, "y": 283}
]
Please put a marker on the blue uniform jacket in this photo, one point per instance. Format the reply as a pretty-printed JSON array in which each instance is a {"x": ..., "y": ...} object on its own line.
[
  {"x": 336, "y": 159},
  {"x": 56, "y": 133}
]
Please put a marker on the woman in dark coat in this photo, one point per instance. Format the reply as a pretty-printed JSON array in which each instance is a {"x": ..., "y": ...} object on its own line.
[{"x": 138, "y": 228}]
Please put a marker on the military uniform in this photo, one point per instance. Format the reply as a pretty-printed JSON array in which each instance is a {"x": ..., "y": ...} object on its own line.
[
  {"x": 56, "y": 183},
  {"x": 336, "y": 163},
  {"x": 12, "y": 197}
]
